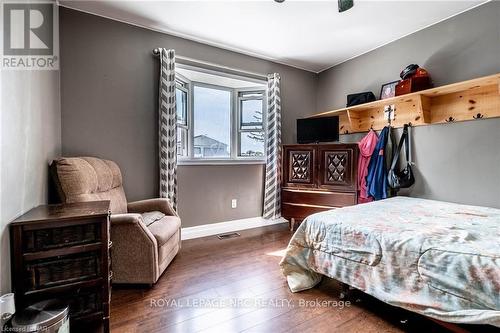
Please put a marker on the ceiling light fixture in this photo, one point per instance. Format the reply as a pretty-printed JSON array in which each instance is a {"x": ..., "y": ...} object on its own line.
[{"x": 343, "y": 4}]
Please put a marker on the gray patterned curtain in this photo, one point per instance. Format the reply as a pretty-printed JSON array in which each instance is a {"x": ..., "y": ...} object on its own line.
[
  {"x": 272, "y": 190},
  {"x": 168, "y": 127}
]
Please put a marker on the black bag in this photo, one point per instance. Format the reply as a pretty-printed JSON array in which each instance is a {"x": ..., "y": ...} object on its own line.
[
  {"x": 360, "y": 98},
  {"x": 397, "y": 179}
]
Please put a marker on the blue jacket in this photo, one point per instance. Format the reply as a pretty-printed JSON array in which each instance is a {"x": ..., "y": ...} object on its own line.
[{"x": 376, "y": 179}]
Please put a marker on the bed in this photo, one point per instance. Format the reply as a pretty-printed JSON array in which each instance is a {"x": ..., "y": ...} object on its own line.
[{"x": 435, "y": 258}]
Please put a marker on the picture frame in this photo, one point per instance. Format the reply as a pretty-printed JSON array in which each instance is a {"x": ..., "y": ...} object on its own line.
[{"x": 388, "y": 90}]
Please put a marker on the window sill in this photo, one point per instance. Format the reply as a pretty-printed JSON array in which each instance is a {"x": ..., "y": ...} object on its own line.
[{"x": 219, "y": 162}]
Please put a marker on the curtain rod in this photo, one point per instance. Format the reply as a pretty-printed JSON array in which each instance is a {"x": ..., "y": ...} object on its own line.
[{"x": 211, "y": 64}]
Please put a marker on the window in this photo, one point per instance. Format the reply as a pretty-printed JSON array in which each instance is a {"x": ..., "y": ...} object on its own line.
[
  {"x": 251, "y": 136},
  {"x": 219, "y": 118}
]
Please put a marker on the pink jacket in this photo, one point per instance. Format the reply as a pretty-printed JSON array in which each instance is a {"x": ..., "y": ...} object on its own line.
[{"x": 366, "y": 147}]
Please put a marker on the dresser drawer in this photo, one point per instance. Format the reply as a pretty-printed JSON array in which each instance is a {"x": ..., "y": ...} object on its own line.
[
  {"x": 318, "y": 198},
  {"x": 301, "y": 211}
]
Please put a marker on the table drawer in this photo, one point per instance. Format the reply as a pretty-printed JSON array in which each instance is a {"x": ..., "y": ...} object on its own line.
[
  {"x": 318, "y": 198},
  {"x": 60, "y": 270},
  {"x": 61, "y": 236}
]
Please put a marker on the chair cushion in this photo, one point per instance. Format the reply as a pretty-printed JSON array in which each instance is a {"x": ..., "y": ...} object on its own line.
[
  {"x": 150, "y": 217},
  {"x": 165, "y": 228}
]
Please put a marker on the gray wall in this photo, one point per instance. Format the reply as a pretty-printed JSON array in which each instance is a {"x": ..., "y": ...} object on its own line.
[
  {"x": 205, "y": 199},
  {"x": 30, "y": 127},
  {"x": 108, "y": 87},
  {"x": 454, "y": 162}
]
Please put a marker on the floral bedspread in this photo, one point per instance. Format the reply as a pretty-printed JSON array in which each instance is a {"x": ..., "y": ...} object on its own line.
[{"x": 435, "y": 258}]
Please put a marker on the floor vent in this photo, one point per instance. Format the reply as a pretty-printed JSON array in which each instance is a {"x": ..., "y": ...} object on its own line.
[{"x": 228, "y": 235}]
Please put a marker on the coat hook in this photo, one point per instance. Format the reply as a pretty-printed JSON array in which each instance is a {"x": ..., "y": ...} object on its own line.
[
  {"x": 450, "y": 120},
  {"x": 478, "y": 116},
  {"x": 346, "y": 132},
  {"x": 410, "y": 124}
]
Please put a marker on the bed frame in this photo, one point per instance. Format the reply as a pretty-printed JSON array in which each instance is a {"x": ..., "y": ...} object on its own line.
[{"x": 346, "y": 291}]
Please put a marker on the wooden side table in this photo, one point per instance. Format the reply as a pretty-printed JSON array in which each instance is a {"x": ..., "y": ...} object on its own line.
[{"x": 62, "y": 252}]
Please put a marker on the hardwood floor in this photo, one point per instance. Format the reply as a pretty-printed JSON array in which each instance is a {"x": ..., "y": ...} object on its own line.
[{"x": 246, "y": 269}]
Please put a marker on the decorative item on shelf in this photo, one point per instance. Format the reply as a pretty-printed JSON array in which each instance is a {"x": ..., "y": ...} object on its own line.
[
  {"x": 414, "y": 78},
  {"x": 390, "y": 113},
  {"x": 360, "y": 98},
  {"x": 388, "y": 90}
]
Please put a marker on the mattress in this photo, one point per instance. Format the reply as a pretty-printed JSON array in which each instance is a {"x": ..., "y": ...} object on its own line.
[{"x": 435, "y": 258}]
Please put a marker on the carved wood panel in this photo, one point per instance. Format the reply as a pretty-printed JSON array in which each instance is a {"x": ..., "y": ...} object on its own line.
[
  {"x": 337, "y": 169},
  {"x": 299, "y": 166}
]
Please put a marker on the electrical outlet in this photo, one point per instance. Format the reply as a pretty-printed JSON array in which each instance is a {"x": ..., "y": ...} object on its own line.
[{"x": 234, "y": 203}]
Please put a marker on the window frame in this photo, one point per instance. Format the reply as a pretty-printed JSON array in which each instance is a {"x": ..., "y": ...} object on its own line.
[
  {"x": 191, "y": 111},
  {"x": 178, "y": 85},
  {"x": 183, "y": 84},
  {"x": 235, "y": 114}
]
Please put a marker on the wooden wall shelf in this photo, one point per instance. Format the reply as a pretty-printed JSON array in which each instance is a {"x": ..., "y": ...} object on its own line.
[{"x": 462, "y": 101}]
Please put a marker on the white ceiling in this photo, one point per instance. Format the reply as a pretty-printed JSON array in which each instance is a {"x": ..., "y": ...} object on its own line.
[{"x": 311, "y": 35}]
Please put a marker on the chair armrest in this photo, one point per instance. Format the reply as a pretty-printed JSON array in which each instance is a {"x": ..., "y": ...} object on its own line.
[
  {"x": 125, "y": 219},
  {"x": 149, "y": 205},
  {"x": 134, "y": 220},
  {"x": 135, "y": 250}
]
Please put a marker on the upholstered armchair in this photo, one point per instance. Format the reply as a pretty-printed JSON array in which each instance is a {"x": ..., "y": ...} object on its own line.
[{"x": 145, "y": 234}]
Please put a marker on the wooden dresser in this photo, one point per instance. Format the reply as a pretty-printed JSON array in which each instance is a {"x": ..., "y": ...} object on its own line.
[
  {"x": 317, "y": 177},
  {"x": 62, "y": 252}
]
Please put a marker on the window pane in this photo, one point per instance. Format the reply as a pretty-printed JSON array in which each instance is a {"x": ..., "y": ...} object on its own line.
[
  {"x": 182, "y": 141},
  {"x": 181, "y": 100},
  {"x": 252, "y": 144},
  {"x": 212, "y": 122},
  {"x": 251, "y": 114}
]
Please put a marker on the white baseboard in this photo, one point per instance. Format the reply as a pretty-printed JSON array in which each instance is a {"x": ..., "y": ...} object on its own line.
[{"x": 228, "y": 226}]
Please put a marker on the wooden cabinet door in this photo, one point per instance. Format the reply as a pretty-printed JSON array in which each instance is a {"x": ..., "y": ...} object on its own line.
[
  {"x": 299, "y": 166},
  {"x": 337, "y": 167}
]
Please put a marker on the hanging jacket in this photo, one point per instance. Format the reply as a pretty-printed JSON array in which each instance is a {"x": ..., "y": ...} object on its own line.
[
  {"x": 376, "y": 181},
  {"x": 366, "y": 147}
]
